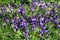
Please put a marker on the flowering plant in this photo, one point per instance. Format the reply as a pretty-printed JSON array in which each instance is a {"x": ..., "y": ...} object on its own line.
[{"x": 29, "y": 20}]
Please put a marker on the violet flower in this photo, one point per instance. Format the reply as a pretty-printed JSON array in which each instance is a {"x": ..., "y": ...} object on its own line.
[
  {"x": 4, "y": 10},
  {"x": 24, "y": 24},
  {"x": 58, "y": 26},
  {"x": 0, "y": 13},
  {"x": 9, "y": 6},
  {"x": 11, "y": 10},
  {"x": 47, "y": 13},
  {"x": 26, "y": 34},
  {"x": 32, "y": 9},
  {"x": 33, "y": 22},
  {"x": 53, "y": 11},
  {"x": 21, "y": 9},
  {"x": 15, "y": 23},
  {"x": 43, "y": 31},
  {"x": 6, "y": 19},
  {"x": 16, "y": 27},
  {"x": 58, "y": 6},
  {"x": 42, "y": 5}
]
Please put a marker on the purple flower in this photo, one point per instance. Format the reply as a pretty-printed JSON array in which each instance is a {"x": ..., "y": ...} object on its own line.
[
  {"x": 32, "y": 9},
  {"x": 54, "y": 21},
  {"x": 59, "y": 23},
  {"x": 42, "y": 19},
  {"x": 55, "y": 17},
  {"x": 41, "y": 23},
  {"x": 53, "y": 14},
  {"x": 21, "y": 5},
  {"x": 20, "y": 20},
  {"x": 47, "y": 20},
  {"x": 33, "y": 23},
  {"x": 11, "y": 10},
  {"x": 9, "y": 5},
  {"x": 34, "y": 19},
  {"x": 15, "y": 21},
  {"x": 48, "y": 3},
  {"x": 58, "y": 26},
  {"x": 53, "y": 11},
  {"x": 21, "y": 10},
  {"x": 6, "y": 19},
  {"x": 33, "y": 28},
  {"x": 58, "y": 6},
  {"x": 15, "y": 27},
  {"x": 41, "y": 32},
  {"x": 47, "y": 13},
  {"x": 4, "y": 10},
  {"x": 42, "y": 5},
  {"x": 0, "y": 13},
  {"x": 26, "y": 34},
  {"x": 24, "y": 24},
  {"x": 39, "y": 15},
  {"x": 18, "y": 10},
  {"x": 43, "y": 27}
]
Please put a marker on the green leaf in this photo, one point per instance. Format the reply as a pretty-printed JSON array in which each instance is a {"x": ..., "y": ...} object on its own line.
[
  {"x": 19, "y": 32},
  {"x": 52, "y": 0}
]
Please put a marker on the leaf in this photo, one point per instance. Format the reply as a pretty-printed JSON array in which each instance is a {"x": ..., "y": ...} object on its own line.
[
  {"x": 33, "y": 37},
  {"x": 19, "y": 32},
  {"x": 52, "y": 0}
]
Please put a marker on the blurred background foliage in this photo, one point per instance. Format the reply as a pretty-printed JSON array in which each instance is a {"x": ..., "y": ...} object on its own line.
[{"x": 18, "y": 1}]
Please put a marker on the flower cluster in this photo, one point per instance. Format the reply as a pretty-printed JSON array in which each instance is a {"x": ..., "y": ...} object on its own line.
[{"x": 20, "y": 20}]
